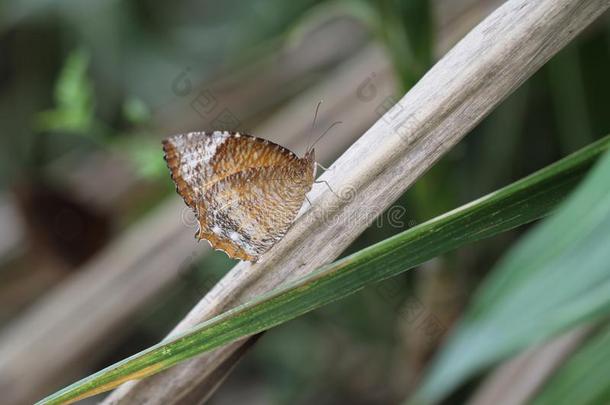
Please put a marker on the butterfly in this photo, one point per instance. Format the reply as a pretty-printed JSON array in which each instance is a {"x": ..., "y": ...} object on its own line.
[{"x": 245, "y": 191}]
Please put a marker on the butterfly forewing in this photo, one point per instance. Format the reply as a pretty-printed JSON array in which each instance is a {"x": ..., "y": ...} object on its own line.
[{"x": 198, "y": 159}]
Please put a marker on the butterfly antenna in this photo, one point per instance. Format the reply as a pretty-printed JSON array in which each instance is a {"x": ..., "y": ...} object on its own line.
[
  {"x": 322, "y": 136},
  {"x": 315, "y": 117}
]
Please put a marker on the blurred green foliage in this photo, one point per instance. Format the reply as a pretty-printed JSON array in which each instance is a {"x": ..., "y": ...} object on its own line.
[
  {"x": 583, "y": 378},
  {"x": 136, "y": 111},
  {"x": 74, "y": 99},
  {"x": 556, "y": 277},
  {"x": 78, "y": 77}
]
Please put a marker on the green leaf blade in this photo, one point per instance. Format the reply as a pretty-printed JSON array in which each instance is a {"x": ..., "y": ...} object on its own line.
[
  {"x": 516, "y": 204},
  {"x": 583, "y": 379}
]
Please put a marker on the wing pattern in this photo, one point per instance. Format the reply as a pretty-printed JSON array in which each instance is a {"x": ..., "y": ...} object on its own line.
[{"x": 245, "y": 191}]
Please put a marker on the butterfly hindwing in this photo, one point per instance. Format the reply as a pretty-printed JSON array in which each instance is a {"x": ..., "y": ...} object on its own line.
[{"x": 248, "y": 212}]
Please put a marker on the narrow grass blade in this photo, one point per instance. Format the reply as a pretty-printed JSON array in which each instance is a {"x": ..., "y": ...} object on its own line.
[
  {"x": 583, "y": 379},
  {"x": 514, "y": 205}
]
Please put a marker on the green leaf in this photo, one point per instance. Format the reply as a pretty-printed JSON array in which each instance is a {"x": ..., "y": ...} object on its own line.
[
  {"x": 406, "y": 28},
  {"x": 555, "y": 278},
  {"x": 143, "y": 152},
  {"x": 136, "y": 111},
  {"x": 514, "y": 205},
  {"x": 74, "y": 110},
  {"x": 583, "y": 379}
]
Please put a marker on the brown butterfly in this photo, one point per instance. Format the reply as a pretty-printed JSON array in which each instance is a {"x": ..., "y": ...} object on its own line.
[{"x": 245, "y": 191}]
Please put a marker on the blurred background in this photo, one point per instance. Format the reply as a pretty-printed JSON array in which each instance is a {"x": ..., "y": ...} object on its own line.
[{"x": 97, "y": 255}]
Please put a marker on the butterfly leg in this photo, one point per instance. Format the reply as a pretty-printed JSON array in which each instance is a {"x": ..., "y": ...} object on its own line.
[
  {"x": 322, "y": 167},
  {"x": 327, "y": 185},
  {"x": 308, "y": 200}
]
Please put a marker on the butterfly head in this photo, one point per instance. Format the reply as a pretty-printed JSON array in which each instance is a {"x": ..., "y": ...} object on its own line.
[
  {"x": 310, "y": 155},
  {"x": 310, "y": 162}
]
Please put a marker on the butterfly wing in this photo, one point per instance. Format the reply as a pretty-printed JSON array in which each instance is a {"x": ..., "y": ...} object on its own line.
[
  {"x": 198, "y": 160},
  {"x": 247, "y": 212}
]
